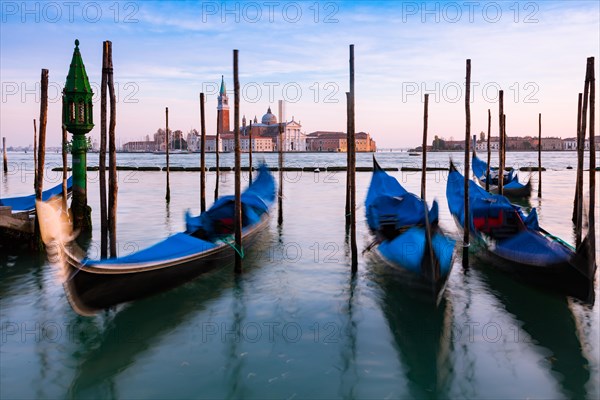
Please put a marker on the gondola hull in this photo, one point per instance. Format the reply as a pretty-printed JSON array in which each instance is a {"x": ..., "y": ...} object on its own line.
[
  {"x": 414, "y": 279},
  {"x": 91, "y": 288},
  {"x": 503, "y": 236},
  {"x": 511, "y": 188},
  {"x": 561, "y": 277},
  {"x": 514, "y": 190}
]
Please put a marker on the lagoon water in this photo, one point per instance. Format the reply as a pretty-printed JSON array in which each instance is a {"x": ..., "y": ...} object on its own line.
[{"x": 296, "y": 323}]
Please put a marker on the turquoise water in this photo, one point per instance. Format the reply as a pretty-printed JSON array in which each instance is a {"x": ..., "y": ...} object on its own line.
[{"x": 296, "y": 324}]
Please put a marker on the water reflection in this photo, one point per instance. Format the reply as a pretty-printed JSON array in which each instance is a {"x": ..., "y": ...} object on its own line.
[
  {"x": 168, "y": 224},
  {"x": 422, "y": 334},
  {"x": 17, "y": 271},
  {"x": 464, "y": 294},
  {"x": 110, "y": 344},
  {"x": 524, "y": 202},
  {"x": 118, "y": 339},
  {"x": 349, "y": 373},
  {"x": 235, "y": 360},
  {"x": 548, "y": 320}
]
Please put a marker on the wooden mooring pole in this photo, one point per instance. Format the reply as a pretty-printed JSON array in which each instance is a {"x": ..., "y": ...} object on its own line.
[
  {"x": 540, "y": 155},
  {"x": 112, "y": 157},
  {"x": 424, "y": 160},
  {"x": 168, "y": 195},
  {"x": 250, "y": 153},
  {"x": 352, "y": 166},
  {"x": 217, "y": 137},
  {"x": 501, "y": 143},
  {"x": 433, "y": 272},
  {"x": 41, "y": 158},
  {"x": 102, "y": 155},
  {"x": 592, "y": 178},
  {"x": 202, "y": 155},
  {"x": 504, "y": 141},
  {"x": 347, "y": 211},
  {"x": 577, "y": 202},
  {"x": 583, "y": 129},
  {"x": 489, "y": 152},
  {"x": 280, "y": 164},
  {"x": 4, "y": 156},
  {"x": 34, "y": 156},
  {"x": 238, "y": 167},
  {"x": 466, "y": 226},
  {"x": 42, "y": 138}
]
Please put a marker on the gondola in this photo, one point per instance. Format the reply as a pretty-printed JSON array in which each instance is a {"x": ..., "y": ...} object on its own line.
[
  {"x": 27, "y": 203},
  {"x": 18, "y": 216},
  {"x": 511, "y": 185},
  {"x": 399, "y": 221},
  {"x": 207, "y": 243},
  {"x": 514, "y": 242}
]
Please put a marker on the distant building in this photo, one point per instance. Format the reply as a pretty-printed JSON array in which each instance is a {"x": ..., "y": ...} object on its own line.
[
  {"x": 514, "y": 143},
  {"x": 260, "y": 136},
  {"x": 364, "y": 143},
  {"x": 259, "y": 144},
  {"x": 176, "y": 142},
  {"x": 571, "y": 144},
  {"x": 293, "y": 139},
  {"x": 327, "y": 141},
  {"x": 455, "y": 145},
  {"x": 140, "y": 147},
  {"x": 482, "y": 145},
  {"x": 193, "y": 141},
  {"x": 324, "y": 141},
  {"x": 211, "y": 143},
  {"x": 550, "y": 143}
]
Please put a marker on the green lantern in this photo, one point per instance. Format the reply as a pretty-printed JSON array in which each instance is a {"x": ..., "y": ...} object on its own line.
[{"x": 78, "y": 119}]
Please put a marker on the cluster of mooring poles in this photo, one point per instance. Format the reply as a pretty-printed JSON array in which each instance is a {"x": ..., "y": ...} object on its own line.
[
  {"x": 585, "y": 103},
  {"x": 77, "y": 119}
]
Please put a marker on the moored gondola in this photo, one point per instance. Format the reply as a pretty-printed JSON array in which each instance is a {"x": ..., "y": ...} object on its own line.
[
  {"x": 515, "y": 242},
  {"x": 407, "y": 234},
  {"x": 27, "y": 203},
  {"x": 511, "y": 185},
  {"x": 17, "y": 217},
  {"x": 206, "y": 244}
]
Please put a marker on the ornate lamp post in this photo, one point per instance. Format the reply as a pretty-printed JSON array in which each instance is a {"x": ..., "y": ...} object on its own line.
[{"x": 78, "y": 119}]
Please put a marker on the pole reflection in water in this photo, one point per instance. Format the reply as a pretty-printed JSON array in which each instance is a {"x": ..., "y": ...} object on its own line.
[
  {"x": 557, "y": 343},
  {"x": 235, "y": 357},
  {"x": 422, "y": 333},
  {"x": 349, "y": 374},
  {"x": 168, "y": 224}
]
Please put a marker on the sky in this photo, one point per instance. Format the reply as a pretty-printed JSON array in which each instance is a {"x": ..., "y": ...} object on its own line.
[{"x": 166, "y": 53}]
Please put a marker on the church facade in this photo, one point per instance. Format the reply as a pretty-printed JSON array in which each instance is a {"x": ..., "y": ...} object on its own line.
[{"x": 260, "y": 136}]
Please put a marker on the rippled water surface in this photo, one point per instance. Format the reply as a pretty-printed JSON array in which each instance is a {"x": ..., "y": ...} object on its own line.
[{"x": 296, "y": 323}]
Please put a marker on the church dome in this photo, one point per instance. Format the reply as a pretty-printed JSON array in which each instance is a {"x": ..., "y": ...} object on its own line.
[{"x": 269, "y": 118}]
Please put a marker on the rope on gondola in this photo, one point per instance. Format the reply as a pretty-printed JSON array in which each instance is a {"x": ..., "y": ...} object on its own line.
[{"x": 229, "y": 240}]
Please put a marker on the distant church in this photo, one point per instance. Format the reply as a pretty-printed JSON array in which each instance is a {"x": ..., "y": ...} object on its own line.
[{"x": 264, "y": 135}]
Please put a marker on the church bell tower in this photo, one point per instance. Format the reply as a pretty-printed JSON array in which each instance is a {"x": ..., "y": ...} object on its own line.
[{"x": 223, "y": 109}]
